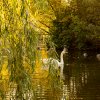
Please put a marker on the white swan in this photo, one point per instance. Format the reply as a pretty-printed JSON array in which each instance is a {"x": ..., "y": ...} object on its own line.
[
  {"x": 50, "y": 61},
  {"x": 57, "y": 64},
  {"x": 98, "y": 57},
  {"x": 85, "y": 54},
  {"x": 62, "y": 60}
]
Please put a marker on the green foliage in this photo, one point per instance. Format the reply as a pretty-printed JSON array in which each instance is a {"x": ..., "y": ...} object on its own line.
[
  {"x": 73, "y": 29},
  {"x": 73, "y": 33},
  {"x": 18, "y": 43}
]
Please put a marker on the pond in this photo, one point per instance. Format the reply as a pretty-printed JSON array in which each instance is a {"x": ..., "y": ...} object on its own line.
[
  {"x": 82, "y": 77},
  {"x": 81, "y": 80}
]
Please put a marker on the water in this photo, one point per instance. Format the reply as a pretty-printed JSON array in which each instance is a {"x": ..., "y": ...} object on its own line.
[
  {"x": 82, "y": 77},
  {"x": 81, "y": 80}
]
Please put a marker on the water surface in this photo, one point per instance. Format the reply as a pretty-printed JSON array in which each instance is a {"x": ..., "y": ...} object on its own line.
[{"x": 81, "y": 80}]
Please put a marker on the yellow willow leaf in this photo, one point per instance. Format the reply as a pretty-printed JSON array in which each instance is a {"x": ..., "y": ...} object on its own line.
[
  {"x": 44, "y": 53},
  {"x": 4, "y": 71},
  {"x": 28, "y": 2},
  {"x": 18, "y": 9},
  {"x": 10, "y": 3}
]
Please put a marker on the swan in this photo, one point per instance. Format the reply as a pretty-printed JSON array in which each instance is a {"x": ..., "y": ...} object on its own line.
[
  {"x": 57, "y": 64},
  {"x": 98, "y": 57},
  {"x": 50, "y": 61},
  {"x": 85, "y": 54}
]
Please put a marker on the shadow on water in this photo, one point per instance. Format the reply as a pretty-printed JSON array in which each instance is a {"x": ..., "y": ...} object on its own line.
[
  {"x": 82, "y": 76},
  {"x": 81, "y": 80}
]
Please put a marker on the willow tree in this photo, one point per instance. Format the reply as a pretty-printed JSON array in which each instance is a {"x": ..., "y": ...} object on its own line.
[
  {"x": 18, "y": 40},
  {"x": 20, "y": 22}
]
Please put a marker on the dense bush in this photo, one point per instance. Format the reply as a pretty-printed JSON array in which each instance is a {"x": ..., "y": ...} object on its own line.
[{"x": 78, "y": 27}]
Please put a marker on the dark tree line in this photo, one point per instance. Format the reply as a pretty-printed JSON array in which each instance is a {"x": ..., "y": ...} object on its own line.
[{"x": 77, "y": 25}]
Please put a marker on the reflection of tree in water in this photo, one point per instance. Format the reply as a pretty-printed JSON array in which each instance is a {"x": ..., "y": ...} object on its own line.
[
  {"x": 76, "y": 74},
  {"x": 90, "y": 89},
  {"x": 66, "y": 69},
  {"x": 82, "y": 78},
  {"x": 67, "y": 75},
  {"x": 81, "y": 82}
]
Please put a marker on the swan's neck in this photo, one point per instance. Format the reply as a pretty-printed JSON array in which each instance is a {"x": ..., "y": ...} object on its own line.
[
  {"x": 61, "y": 57},
  {"x": 62, "y": 63}
]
